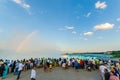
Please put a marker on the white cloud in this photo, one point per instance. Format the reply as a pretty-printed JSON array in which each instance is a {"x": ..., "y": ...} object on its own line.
[
  {"x": 118, "y": 19},
  {"x": 69, "y": 27},
  {"x": 23, "y": 4},
  {"x": 88, "y": 14},
  {"x": 88, "y": 33},
  {"x": 105, "y": 26},
  {"x": 74, "y": 32},
  {"x": 100, "y": 5}
]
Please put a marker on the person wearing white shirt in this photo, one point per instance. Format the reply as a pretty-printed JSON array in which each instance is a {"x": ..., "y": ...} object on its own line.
[
  {"x": 102, "y": 67},
  {"x": 20, "y": 68},
  {"x": 33, "y": 73}
]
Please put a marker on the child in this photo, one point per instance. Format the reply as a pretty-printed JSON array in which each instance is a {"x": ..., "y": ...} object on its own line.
[
  {"x": 33, "y": 73},
  {"x": 63, "y": 65},
  {"x": 45, "y": 68},
  {"x": 89, "y": 68},
  {"x": 50, "y": 67}
]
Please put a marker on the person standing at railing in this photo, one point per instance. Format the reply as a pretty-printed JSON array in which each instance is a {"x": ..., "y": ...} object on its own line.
[
  {"x": 1, "y": 70},
  {"x": 5, "y": 70},
  {"x": 20, "y": 68}
]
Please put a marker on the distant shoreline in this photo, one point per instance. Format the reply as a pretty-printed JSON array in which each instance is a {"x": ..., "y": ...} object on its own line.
[{"x": 115, "y": 54}]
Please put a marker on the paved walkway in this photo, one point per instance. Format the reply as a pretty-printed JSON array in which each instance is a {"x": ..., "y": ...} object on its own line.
[{"x": 59, "y": 74}]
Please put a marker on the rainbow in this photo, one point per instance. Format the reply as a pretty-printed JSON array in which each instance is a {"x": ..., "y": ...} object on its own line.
[{"x": 23, "y": 43}]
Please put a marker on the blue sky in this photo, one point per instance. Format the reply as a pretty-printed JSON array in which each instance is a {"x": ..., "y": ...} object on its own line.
[{"x": 59, "y": 25}]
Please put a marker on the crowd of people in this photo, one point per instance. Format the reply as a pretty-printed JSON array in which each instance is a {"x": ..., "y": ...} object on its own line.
[{"x": 109, "y": 69}]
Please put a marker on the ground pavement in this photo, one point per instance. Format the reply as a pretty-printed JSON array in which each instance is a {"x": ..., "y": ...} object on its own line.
[{"x": 59, "y": 74}]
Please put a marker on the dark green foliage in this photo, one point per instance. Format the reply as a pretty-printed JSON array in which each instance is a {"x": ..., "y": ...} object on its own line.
[{"x": 116, "y": 54}]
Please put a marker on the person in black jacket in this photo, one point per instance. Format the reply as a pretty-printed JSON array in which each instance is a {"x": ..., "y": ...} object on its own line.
[
  {"x": 107, "y": 74},
  {"x": 1, "y": 70}
]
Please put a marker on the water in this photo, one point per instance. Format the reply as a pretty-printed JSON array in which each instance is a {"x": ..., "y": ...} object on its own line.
[
  {"x": 90, "y": 56},
  {"x": 52, "y": 54}
]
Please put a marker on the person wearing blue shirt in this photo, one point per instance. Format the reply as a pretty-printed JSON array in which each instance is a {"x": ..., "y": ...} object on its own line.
[{"x": 76, "y": 65}]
